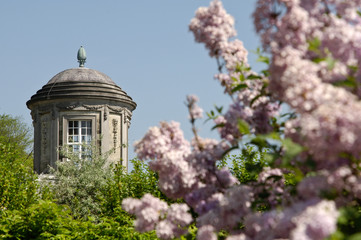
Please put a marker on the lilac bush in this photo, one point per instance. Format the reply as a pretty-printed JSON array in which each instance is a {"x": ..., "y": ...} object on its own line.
[{"x": 313, "y": 169}]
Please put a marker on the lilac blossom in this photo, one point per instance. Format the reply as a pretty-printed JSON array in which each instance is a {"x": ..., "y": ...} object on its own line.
[
  {"x": 194, "y": 110},
  {"x": 272, "y": 182},
  {"x": 313, "y": 219},
  {"x": 153, "y": 213},
  {"x": 148, "y": 210},
  {"x": 161, "y": 140},
  {"x": 316, "y": 69},
  {"x": 327, "y": 112},
  {"x": 206, "y": 232},
  {"x": 231, "y": 208},
  {"x": 212, "y": 26},
  {"x": 315, "y": 222}
]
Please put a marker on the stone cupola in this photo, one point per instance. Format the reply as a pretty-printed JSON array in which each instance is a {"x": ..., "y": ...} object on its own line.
[{"x": 76, "y": 107}]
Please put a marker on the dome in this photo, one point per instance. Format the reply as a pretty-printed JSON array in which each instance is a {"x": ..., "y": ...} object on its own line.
[
  {"x": 81, "y": 83},
  {"x": 81, "y": 74}
]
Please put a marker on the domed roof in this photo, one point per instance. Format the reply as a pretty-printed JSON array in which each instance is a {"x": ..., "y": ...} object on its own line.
[
  {"x": 82, "y": 84},
  {"x": 81, "y": 74}
]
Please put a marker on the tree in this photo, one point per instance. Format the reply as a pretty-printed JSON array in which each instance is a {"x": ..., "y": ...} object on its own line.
[
  {"x": 18, "y": 187},
  {"x": 14, "y": 130},
  {"x": 309, "y": 185}
]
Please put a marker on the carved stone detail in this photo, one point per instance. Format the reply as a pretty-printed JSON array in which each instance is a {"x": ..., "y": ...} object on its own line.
[
  {"x": 44, "y": 133},
  {"x": 92, "y": 107},
  {"x": 127, "y": 116},
  {"x": 67, "y": 107},
  {"x": 53, "y": 113},
  {"x": 35, "y": 116},
  {"x": 106, "y": 112},
  {"x": 115, "y": 132},
  {"x": 116, "y": 109}
]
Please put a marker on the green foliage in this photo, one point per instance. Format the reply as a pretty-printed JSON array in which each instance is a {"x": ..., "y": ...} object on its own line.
[
  {"x": 17, "y": 182},
  {"x": 80, "y": 183},
  {"x": 48, "y": 220},
  {"x": 39, "y": 221},
  {"x": 246, "y": 166},
  {"x": 135, "y": 184},
  {"x": 349, "y": 224},
  {"x": 14, "y": 130}
]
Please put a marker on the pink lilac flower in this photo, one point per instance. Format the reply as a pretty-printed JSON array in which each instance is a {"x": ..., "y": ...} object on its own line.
[
  {"x": 272, "y": 182},
  {"x": 231, "y": 208},
  {"x": 160, "y": 140},
  {"x": 206, "y": 233},
  {"x": 194, "y": 110},
  {"x": 176, "y": 175},
  {"x": 316, "y": 222},
  {"x": 234, "y": 54},
  {"x": 327, "y": 113},
  {"x": 176, "y": 221},
  {"x": 239, "y": 236},
  {"x": 212, "y": 26},
  {"x": 302, "y": 220},
  {"x": 153, "y": 213},
  {"x": 148, "y": 211}
]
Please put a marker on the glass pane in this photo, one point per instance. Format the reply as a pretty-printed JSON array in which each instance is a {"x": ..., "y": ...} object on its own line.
[
  {"x": 76, "y": 138},
  {"x": 89, "y": 139},
  {"x": 89, "y": 132},
  {"x": 82, "y": 139},
  {"x": 76, "y": 123},
  {"x": 76, "y": 131},
  {"x": 70, "y": 139},
  {"x": 83, "y": 131},
  {"x": 83, "y": 123},
  {"x": 71, "y": 131},
  {"x": 76, "y": 148},
  {"x": 70, "y": 123},
  {"x": 88, "y": 124}
]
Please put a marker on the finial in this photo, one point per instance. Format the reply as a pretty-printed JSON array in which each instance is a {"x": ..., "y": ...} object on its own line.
[{"x": 81, "y": 56}]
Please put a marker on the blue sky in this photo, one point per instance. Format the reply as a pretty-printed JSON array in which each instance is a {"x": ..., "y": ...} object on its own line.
[{"x": 144, "y": 46}]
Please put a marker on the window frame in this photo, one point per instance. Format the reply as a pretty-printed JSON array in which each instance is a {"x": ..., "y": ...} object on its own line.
[{"x": 65, "y": 128}]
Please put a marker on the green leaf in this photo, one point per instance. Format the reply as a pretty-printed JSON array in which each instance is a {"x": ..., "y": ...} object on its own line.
[
  {"x": 263, "y": 59},
  {"x": 239, "y": 87},
  {"x": 219, "y": 109},
  {"x": 292, "y": 149},
  {"x": 273, "y": 135},
  {"x": 349, "y": 82},
  {"x": 265, "y": 73},
  {"x": 353, "y": 68},
  {"x": 314, "y": 45},
  {"x": 356, "y": 236},
  {"x": 218, "y": 126},
  {"x": 252, "y": 76},
  {"x": 330, "y": 62},
  {"x": 243, "y": 127},
  {"x": 242, "y": 78},
  {"x": 234, "y": 79},
  {"x": 318, "y": 60},
  {"x": 229, "y": 150},
  {"x": 255, "y": 98},
  {"x": 260, "y": 141}
]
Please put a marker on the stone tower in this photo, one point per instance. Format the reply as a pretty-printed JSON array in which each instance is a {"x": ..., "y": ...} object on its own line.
[{"x": 78, "y": 106}]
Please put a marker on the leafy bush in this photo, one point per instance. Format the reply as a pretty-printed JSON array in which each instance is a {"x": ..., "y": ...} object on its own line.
[
  {"x": 246, "y": 166},
  {"x": 48, "y": 220},
  {"x": 139, "y": 181},
  {"x": 14, "y": 130},
  {"x": 18, "y": 188},
  {"x": 80, "y": 183}
]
